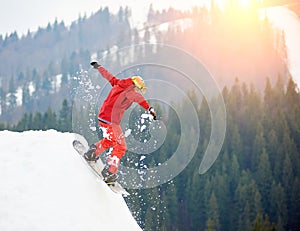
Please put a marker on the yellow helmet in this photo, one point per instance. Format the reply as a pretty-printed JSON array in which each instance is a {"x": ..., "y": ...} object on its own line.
[{"x": 139, "y": 83}]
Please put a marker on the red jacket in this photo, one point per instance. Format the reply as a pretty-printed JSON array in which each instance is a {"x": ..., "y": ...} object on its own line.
[{"x": 120, "y": 98}]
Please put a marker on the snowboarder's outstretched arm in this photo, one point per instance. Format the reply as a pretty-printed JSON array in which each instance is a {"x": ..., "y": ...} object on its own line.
[
  {"x": 134, "y": 96},
  {"x": 144, "y": 103},
  {"x": 113, "y": 80},
  {"x": 138, "y": 98}
]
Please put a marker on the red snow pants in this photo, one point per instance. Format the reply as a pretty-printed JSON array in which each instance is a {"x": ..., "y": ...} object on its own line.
[{"x": 112, "y": 137}]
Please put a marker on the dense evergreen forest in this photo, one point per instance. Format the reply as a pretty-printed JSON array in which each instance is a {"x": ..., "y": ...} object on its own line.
[
  {"x": 254, "y": 183},
  {"x": 60, "y": 121}
]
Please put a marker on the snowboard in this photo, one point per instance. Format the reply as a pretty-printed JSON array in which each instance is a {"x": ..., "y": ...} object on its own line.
[{"x": 97, "y": 167}]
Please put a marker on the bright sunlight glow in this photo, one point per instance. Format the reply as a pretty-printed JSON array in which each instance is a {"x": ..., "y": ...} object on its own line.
[
  {"x": 238, "y": 3},
  {"x": 244, "y": 3}
]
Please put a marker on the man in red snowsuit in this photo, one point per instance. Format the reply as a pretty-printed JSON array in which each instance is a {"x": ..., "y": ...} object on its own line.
[{"x": 124, "y": 92}]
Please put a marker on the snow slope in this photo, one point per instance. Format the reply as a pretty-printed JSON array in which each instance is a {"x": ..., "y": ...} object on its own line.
[{"x": 44, "y": 185}]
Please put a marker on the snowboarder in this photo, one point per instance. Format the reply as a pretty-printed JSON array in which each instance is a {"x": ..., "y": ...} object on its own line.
[{"x": 124, "y": 92}]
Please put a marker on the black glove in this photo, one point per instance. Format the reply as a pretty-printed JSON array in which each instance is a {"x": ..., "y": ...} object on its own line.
[
  {"x": 152, "y": 112},
  {"x": 95, "y": 64}
]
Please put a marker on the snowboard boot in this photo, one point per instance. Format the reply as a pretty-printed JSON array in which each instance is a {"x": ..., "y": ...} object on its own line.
[
  {"x": 108, "y": 177},
  {"x": 90, "y": 154}
]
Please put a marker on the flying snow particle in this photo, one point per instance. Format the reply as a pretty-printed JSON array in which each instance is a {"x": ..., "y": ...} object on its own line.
[
  {"x": 143, "y": 128},
  {"x": 142, "y": 157},
  {"x": 127, "y": 132},
  {"x": 93, "y": 129}
]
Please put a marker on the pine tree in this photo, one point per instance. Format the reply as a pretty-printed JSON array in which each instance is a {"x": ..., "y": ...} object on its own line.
[
  {"x": 209, "y": 225},
  {"x": 26, "y": 98},
  {"x": 149, "y": 222},
  {"x": 292, "y": 114},
  {"x": 37, "y": 121},
  {"x": 262, "y": 224},
  {"x": 65, "y": 117},
  {"x": 272, "y": 145},
  {"x": 49, "y": 120},
  {"x": 294, "y": 212},
  {"x": 278, "y": 209},
  {"x": 279, "y": 92},
  {"x": 213, "y": 213},
  {"x": 236, "y": 146},
  {"x": 250, "y": 116},
  {"x": 196, "y": 203},
  {"x": 234, "y": 173},
  {"x": 222, "y": 192},
  {"x": 264, "y": 179},
  {"x": 12, "y": 98},
  {"x": 287, "y": 165},
  {"x": 2, "y": 100},
  {"x": 23, "y": 124},
  {"x": 153, "y": 216},
  {"x": 171, "y": 207},
  {"x": 258, "y": 147},
  {"x": 247, "y": 201}
]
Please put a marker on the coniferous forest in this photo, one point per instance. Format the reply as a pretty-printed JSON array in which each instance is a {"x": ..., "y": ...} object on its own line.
[
  {"x": 253, "y": 185},
  {"x": 255, "y": 182}
]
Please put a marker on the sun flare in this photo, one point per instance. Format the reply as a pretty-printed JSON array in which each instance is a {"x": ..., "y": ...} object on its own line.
[
  {"x": 238, "y": 3},
  {"x": 244, "y": 3}
]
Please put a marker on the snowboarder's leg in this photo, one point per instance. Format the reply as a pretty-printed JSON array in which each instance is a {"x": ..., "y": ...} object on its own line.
[
  {"x": 96, "y": 149},
  {"x": 102, "y": 145},
  {"x": 110, "y": 170},
  {"x": 119, "y": 149},
  {"x": 108, "y": 176}
]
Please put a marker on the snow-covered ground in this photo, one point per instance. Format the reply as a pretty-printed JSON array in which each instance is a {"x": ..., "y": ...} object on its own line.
[
  {"x": 288, "y": 21},
  {"x": 44, "y": 185}
]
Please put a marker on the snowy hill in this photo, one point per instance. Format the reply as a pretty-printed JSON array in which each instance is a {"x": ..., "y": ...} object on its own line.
[{"x": 44, "y": 185}]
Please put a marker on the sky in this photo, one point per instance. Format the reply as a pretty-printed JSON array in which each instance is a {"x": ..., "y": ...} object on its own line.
[
  {"x": 49, "y": 187},
  {"x": 22, "y": 16}
]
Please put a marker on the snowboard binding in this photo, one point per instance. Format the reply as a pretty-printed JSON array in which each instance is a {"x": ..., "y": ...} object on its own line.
[{"x": 90, "y": 154}]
